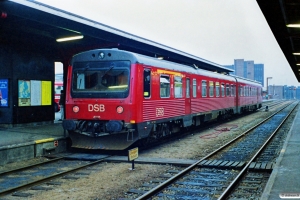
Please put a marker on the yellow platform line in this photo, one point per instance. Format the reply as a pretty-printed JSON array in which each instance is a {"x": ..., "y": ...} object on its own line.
[{"x": 44, "y": 140}]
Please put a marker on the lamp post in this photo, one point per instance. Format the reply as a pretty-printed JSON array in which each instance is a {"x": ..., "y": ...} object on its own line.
[{"x": 268, "y": 86}]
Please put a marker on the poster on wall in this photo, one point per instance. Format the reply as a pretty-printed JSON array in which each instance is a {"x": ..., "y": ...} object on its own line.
[
  {"x": 24, "y": 92},
  {"x": 46, "y": 93},
  {"x": 35, "y": 96},
  {"x": 3, "y": 92}
]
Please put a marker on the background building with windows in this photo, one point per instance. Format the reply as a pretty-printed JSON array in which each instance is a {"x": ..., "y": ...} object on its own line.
[{"x": 248, "y": 69}]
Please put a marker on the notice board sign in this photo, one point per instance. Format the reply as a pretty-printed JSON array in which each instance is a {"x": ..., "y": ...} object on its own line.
[
  {"x": 3, "y": 92},
  {"x": 36, "y": 99},
  {"x": 34, "y": 93},
  {"x": 133, "y": 154},
  {"x": 46, "y": 93},
  {"x": 24, "y": 92}
]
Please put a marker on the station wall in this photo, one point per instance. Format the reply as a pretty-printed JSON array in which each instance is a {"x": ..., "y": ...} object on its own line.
[{"x": 27, "y": 77}]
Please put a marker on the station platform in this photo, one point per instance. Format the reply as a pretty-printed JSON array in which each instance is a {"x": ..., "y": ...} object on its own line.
[
  {"x": 21, "y": 143},
  {"x": 284, "y": 182}
]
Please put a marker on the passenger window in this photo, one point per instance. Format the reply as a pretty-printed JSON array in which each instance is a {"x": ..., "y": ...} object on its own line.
[
  {"x": 164, "y": 86},
  {"x": 227, "y": 90},
  {"x": 223, "y": 89},
  {"x": 187, "y": 88},
  {"x": 233, "y": 90},
  {"x": 204, "y": 89},
  {"x": 194, "y": 88},
  {"x": 217, "y": 89},
  {"x": 178, "y": 86},
  {"x": 211, "y": 88},
  {"x": 147, "y": 83},
  {"x": 240, "y": 90}
]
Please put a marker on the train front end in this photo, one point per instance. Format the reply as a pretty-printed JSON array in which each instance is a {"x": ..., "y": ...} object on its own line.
[{"x": 99, "y": 103}]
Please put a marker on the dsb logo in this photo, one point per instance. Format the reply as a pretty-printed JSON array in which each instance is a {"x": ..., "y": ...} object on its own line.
[
  {"x": 160, "y": 112},
  {"x": 96, "y": 108}
]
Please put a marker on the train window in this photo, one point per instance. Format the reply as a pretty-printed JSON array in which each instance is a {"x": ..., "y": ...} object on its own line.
[
  {"x": 187, "y": 88},
  {"x": 227, "y": 90},
  {"x": 147, "y": 83},
  {"x": 233, "y": 90},
  {"x": 240, "y": 90},
  {"x": 248, "y": 91},
  {"x": 100, "y": 79},
  {"x": 194, "y": 88},
  {"x": 217, "y": 89},
  {"x": 178, "y": 86},
  {"x": 204, "y": 89},
  {"x": 211, "y": 88},
  {"x": 223, "y": 89},
  {"x": 164, "y": 86}
]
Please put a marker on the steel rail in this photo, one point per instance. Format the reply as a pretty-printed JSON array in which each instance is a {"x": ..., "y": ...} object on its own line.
[
  {"x": 26, "y": 185},
  {"x": 230, "y": 188},
  {"x": 272, "y": 104},
  {"x": 169, "y": 181},
  {"x": 29, "y": 166}
]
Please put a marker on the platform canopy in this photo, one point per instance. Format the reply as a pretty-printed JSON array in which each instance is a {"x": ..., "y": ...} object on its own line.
[
  {"x": 283, "y": 17},
  {"x": 27, "y": 22}
]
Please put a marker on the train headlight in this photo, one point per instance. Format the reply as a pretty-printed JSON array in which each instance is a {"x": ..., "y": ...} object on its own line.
[
  {"x": 75, "y": 109},
  {"x": 120, "y": 109}
]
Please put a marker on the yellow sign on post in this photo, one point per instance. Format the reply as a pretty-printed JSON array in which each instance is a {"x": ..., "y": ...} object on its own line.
[{"x": 132, "y": 155}]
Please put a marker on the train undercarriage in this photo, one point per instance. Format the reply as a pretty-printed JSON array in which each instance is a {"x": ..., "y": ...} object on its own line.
[{"x": 117, "y": 135}]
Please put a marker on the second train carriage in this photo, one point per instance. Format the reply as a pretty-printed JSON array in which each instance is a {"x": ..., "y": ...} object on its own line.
[{"x": 115, "y": 98}]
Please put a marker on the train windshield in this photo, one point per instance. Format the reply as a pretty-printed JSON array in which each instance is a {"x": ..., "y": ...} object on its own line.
[{"x": 101, "y": 79}]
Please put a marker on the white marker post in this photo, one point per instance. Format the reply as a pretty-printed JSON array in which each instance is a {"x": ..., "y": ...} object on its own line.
[{"x": 132, "y": 155}]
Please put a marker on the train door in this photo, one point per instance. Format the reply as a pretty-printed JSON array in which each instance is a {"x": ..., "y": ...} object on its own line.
[{"x": 188, "y": 96}]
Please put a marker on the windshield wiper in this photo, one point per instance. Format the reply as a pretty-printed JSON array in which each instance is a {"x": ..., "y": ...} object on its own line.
[{"x": 107, "y": 71}]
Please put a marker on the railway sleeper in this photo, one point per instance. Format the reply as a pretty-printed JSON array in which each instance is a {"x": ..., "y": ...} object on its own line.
[
  {"x": 261, "y": 166},
  {"x": 222, "y": 164}
]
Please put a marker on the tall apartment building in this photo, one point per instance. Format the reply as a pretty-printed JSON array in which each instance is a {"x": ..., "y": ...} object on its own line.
[{"x": 248, "y": 69}]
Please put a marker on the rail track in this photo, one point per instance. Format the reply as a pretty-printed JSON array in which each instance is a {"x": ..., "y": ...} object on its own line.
[
  {"x": 209, "y": 181},
  {"x": 31, "y": 177},
  {"x": 217, "y": 175}
]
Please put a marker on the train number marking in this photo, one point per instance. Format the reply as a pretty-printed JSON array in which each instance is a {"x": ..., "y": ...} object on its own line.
[
  {"x": 96, "y": 108},
  {"x": 160, "y": 112}
]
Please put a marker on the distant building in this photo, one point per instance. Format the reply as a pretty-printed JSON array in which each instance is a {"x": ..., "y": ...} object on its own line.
[
  {"x": 248, "y": 69},
  {"x": 290, "y": 92},
  {"x": 283, "y": 92},
  {"x": 276, "y": 92},
  {"x": 298, "y": 92}
]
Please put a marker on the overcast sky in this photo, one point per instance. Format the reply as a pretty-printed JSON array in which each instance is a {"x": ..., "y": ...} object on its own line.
[{"x": 216, "y": 30}]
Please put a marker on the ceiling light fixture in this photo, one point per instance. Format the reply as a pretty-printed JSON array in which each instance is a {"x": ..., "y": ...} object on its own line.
[
  {"x": 296, "y": 54},
  {"x": 293, "y": 25},
  {"x": 69, "y": 38}
]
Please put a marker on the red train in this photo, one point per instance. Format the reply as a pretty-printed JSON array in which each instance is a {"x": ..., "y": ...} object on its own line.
[{"x": 115, "y": 98}]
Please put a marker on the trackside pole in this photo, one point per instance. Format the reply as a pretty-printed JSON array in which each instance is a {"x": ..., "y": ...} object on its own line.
[{"x": 132, "y": 155}]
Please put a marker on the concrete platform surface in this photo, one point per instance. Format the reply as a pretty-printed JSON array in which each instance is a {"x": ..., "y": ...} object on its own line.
[
  {"x": 284, "y": 182},
  {"x": 30, "y": 141},
  {"x": 23, "y": 135}
]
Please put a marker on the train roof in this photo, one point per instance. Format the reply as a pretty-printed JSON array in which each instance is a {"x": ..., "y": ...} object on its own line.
[
  {"x": 116, "y": 54},
  {"x": 146, "y": 60},
  {"x": 178, "y": 67},
  {"x": 246, "y": 81}
]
